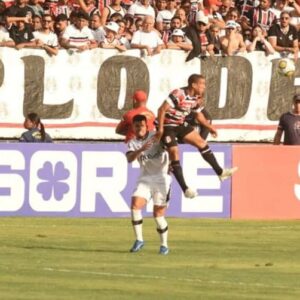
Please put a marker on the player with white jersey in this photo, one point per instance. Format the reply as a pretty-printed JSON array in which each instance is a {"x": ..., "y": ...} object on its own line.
[{"x": 153, "y": 182}]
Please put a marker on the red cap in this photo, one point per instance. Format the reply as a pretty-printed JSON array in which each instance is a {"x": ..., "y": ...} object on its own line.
[
  {"x": 215, "y": 2},
  {"x": 140, "y": 96}
]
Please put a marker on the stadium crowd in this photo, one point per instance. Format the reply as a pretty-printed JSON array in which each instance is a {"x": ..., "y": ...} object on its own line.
[{"x": 200, "y": 27}]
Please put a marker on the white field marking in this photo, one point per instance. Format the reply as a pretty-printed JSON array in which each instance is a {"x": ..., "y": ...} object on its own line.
[{"x": 192, "y": 280}]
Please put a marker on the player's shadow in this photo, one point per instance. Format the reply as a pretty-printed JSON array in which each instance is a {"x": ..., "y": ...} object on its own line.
[{"x": 71, "y": 249}]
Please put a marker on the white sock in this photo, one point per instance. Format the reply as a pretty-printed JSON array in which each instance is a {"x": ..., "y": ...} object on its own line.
[
  {"x": 137, "y": 223},
  {"x": 162, "y": 229}
]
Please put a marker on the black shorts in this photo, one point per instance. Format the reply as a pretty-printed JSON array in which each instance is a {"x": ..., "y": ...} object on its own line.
[{"x": 172, "y": 134}]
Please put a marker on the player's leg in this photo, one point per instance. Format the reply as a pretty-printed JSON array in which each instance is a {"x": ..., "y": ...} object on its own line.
[
  {"x": 169, "y": 139},
  {"x": 194, "y": 139},
  {"x": 161, "y": 227},
  {"x": 161, "y": 196},
  {"x": 138, "y": 201},
  {"x": 203, "y": 131}
]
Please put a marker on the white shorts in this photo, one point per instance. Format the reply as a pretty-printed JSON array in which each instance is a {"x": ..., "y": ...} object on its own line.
[{"x": 157, "y": 189}]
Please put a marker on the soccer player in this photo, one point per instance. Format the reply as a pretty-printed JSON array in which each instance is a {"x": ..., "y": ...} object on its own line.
[
  {"x": 139, "y": 108},
  {"x": 289, "y": 124},
  {"x": 171, "y": 126},
  {"x": 35, "y": 130},
  {"x": 153, "y": 183}
]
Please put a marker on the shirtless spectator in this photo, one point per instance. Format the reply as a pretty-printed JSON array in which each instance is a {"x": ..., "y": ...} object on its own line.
[
  {"x": 147, "y": 39},
  {"x": 79, "y": 36},
  {"x": 232, "y": 43}
]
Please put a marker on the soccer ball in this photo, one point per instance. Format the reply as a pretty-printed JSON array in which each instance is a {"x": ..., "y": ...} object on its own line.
[{"x": 286, "y": 67}]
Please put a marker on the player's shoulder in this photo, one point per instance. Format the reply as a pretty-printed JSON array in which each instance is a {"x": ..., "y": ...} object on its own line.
[{"x": 177, "y": 92}]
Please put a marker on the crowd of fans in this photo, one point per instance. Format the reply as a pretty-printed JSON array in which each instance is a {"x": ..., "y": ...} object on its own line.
[{"x": 200, "y": 27}]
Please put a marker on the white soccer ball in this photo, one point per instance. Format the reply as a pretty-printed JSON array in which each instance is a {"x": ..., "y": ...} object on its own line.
[{"x": 286, "y": 67}]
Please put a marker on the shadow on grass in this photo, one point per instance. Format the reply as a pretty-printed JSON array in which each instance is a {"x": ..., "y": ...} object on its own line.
[{"x": 71, "y": 249}]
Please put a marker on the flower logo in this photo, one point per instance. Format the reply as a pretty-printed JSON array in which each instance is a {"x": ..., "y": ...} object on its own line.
[{"x": 53, "y": 177}]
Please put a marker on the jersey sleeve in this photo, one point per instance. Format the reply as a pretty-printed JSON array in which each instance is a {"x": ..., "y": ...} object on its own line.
[{"x": 174, "y": 98}]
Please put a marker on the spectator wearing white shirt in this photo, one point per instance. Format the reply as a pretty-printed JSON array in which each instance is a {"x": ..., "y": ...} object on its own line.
[
  {"x": 45, "y": 38},
  {"x": 79, "y": 36},
  {"x": 5, "y": 40},
  {"x": 164, "y": 17},
  {"x": 97, "y": 29},
  {"x": 147, "y": 38},
  {"x": 140, "y": 9}
]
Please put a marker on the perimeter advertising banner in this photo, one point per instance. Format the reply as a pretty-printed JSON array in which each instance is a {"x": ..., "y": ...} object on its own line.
[
  {"x": 83, "y": 95},
  {"x": 267, "y": 185},
  {"x": 95, "y": 180}
]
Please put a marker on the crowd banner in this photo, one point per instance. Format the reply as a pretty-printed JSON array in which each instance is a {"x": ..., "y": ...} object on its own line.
[
  {"x": 95, "y": 180},
  {"x": 83, "y": 95},
  {"x": 267, "y": 184}
]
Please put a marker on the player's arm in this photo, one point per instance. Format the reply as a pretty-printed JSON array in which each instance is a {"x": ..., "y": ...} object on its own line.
[
  {"x": 134, "y": 154},
  {"x": 277, "y": 137},
  {"x": 199, "y": 116},
  {"x": 161, "y": 118}
]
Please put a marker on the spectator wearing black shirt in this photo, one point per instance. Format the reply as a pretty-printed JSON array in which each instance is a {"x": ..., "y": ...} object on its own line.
[
  {"x": 19, "y": 11},
  {"x": 284, "y": 37}
]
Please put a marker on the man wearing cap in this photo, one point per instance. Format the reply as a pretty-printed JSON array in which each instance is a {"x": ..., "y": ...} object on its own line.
[
  {"x": 289, "y": 124},
  {"x": 139, "y": 108},
  {"x": 232, "y": 43},
  {"x": 111, "y": 41},
  {"x": 79, "y": 36},
  {"x": 179, "y": 42}
]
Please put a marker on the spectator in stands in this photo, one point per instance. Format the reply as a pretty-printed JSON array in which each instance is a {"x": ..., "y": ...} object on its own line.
[
  {"x": 97, "y": 28},
  {"x": 179, "y": 41},
  {"x": 212, "y": 12},
  {"x": 147, "y": 39},
  {"x": 175, "y": 24},
  {"x": 232, "y": 43},
  {"x": 5, "y": 39},
  {"x": 108, "y": 11},
  {"x": 164, "y": 17},
  {"x": 89, "y": 7},
  {"x": 45, "y": 38},
  {"x": 21, "y": 33},
  {"x": 140, "y": 9},
  {"x": 58, "y": 7},
  {"x": 261, "y": 15},
  {"x": 284, "y": 37},
  {"x": 35, "y": 130},
  {"x": 61, "y": 24},
  {"x": 19, "y": 12},
  {"x": 111, "y": 41},
  {"x": 289, "y": 125},
  {"x": 214, "y": 40},
  {"x": 180, "y": 12},
  {"x": 159, "y": 6},
  {"x": 259, "y": 42},
  {"x": 36, "y": 23},
  {"x": 79, "y": 36},
  {"x": 225, "y": 8},
  {"x": 124, "y": 35},
  {"x": 244, "y": 6},
  {"x": 197, "y": 34},
  {"x": 36, "y": 7},
  {"x": 116, "y": 17},
  {"x": 139, "y": 108}
]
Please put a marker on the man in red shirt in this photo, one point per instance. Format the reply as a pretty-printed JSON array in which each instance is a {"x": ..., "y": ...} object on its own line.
[{"x": 139, "y": 108}]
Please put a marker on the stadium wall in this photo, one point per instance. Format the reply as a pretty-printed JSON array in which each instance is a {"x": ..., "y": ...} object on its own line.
[
  {"x": 83, "y": 95},
  {"x": 95, "y": 180}
]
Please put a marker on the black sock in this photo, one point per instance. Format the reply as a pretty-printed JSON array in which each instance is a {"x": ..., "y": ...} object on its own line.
[
  {"x": 211, "y": 159},
  {"x": 177, "y": 171}
]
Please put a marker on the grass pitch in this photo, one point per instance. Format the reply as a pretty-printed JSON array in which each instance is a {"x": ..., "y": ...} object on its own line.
[{"x": 58, "y": 258}]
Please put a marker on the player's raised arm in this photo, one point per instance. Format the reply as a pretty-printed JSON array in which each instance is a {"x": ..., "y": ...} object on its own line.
[{"x": 161, "y": 118}]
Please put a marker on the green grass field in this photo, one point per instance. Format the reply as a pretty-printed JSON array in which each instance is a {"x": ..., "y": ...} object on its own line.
[{"x": 59, "y": 258}]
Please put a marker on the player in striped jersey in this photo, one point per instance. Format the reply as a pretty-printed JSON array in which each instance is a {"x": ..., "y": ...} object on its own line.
[
  {"x": 171, "y": 126},
  {"x": 153, "y": 182}
]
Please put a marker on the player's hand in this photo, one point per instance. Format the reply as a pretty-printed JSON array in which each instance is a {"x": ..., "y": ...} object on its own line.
[
  {"x": 213, "y": 132},
  {"x": 148, "y": 144}
]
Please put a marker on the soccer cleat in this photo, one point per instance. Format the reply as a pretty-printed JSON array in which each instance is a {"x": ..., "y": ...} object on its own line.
[
  {"x": 163, "y": 250},
  {"x": 137, "y": 246},
  {"x": 189, "y": 193},
  {"x": 227, "y": 173}
]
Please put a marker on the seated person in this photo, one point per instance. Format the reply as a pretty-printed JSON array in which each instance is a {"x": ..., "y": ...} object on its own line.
[{"x": 111, "y": 41}]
